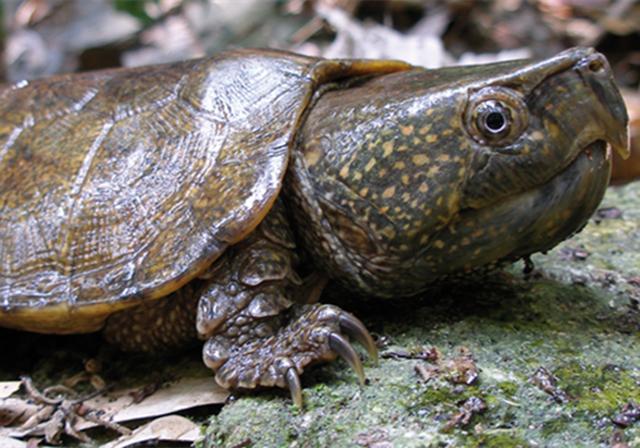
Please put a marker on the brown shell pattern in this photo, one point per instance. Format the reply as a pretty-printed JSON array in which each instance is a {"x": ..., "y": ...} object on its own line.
[{"x": 126, "y": 184}]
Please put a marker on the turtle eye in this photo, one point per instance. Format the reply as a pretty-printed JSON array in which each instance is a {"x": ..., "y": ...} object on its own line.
[
  {"x": 494, "y": 119},
  {"x": 496, "y": 116}
]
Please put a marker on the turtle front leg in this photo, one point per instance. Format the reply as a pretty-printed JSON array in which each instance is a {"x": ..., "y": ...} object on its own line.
[{"x": 259, "y": 330}]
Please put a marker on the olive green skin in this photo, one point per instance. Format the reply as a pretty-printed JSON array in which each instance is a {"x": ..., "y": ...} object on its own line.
[
  {"x": 402, "y": 190},
  {"x": 122, "y": 186}
]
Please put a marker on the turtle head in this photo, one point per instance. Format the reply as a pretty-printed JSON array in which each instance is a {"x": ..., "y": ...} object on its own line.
[
  {"x": 528, "y": 124},
  {"x": 539, "y": 138},
  {"x": 427, "y": 173}
]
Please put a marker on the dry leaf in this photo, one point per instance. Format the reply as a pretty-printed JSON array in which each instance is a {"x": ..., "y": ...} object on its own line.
[
  {"x": 186, "y": 393},
  {"x": 14, "y": 412},
  {"x": 120, "y": 406},
  {"x": 172, "y": 428},
  {"x": 8, "y": 442},
  {"x": 8, "y": 387},
  {"x": 357, "y": 40}
]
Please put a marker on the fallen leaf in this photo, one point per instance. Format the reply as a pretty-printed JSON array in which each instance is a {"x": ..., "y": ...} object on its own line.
[
  {"x": 8, "y": 387},
  {"x": 172, "y": 428},
  {"x": 357, "y": 40},
  {"x": 14, "y": 412},
  {"x": 8, "y": 442},
  {"x": 121, "y": 405},
  {"x": 186, "y": 393}
]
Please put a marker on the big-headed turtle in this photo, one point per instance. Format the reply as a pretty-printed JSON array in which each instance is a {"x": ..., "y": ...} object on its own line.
[{"x": 140, "y": 200}]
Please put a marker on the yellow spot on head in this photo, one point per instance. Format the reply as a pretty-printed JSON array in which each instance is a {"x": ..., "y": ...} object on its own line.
[
  {"x": 420, "y": 159},
  {"x": 389, "y": 232},
  {"x": 431, "y": 138},
  {"x": 537, "y": 135},
  {"x": 313, "y": 155},
  {"x": 424, "y": 129},
  {"x": 387, "y": 148},
  {"x": 443, "y": 158},
  {"x": 370, "y": 164},
  {"x": 439, "y": 244},
  {"x": 423, "y": 188},
  {"x": 389, "y": 192},
  {"x": 405, "y": 179},
  {"x": 344, "y": 171},
  {"x": 399, "y": 165},
  {"x": 406, "y": 130},
  {"x": 363, "y": 192}
]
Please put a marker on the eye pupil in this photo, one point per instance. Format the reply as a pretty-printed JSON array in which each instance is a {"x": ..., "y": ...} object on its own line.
[
  {"x": 495, "y": 122},
  {"x": 496, "y": 116}
]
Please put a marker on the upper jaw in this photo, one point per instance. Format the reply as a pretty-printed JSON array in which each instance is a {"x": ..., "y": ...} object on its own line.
[
  {"x": 595, "y": 73},
  {"x": 612, "y": 113}
]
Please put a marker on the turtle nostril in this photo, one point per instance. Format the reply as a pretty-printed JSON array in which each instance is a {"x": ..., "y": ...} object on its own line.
[{"x": 596, "y": 65}]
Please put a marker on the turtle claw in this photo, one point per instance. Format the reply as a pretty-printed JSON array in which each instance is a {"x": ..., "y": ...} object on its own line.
[
  {"x": 352, "y": 326},
  {"x": 293, "y": 381},
  {"x": 316, "y": 333},
  {"x": 343, "y": 348}
]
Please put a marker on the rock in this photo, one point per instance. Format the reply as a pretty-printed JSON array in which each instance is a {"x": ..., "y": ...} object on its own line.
[{"x": 578, "y": 318}]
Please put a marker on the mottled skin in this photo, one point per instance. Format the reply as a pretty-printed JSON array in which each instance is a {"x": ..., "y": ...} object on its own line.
[
  {"x": 134, "y": 198},
  {"x": 416, "y": 193}
]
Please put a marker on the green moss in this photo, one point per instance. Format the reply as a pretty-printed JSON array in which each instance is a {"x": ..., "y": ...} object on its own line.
[
  {"x": 555, "y": 426},
  {"x": 497, "y": 439},
  {"x": 598, "y": 389},
  {"x": 509, "y": 388},
  {"x": 439, "y": 395}
]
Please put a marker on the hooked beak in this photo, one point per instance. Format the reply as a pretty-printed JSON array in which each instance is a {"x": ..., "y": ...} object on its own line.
[
  {"x": 610, "y": 121},
  {"x": 612, "y": 113}
]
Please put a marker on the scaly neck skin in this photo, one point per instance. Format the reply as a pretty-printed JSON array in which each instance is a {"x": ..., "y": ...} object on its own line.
[{"x": 377, "y": 173}]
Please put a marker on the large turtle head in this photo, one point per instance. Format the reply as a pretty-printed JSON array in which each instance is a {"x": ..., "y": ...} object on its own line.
[{"x": 427, "y": 173}]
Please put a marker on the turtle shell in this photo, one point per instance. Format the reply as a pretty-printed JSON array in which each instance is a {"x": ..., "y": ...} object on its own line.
[{"x": 123, "y": 185}]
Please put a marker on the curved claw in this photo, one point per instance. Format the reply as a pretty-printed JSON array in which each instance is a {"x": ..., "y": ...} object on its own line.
[
  {"x": 293, "y": 381},
  {"x": 356, "y": 329},
  {"x": 343, "y": 348}
]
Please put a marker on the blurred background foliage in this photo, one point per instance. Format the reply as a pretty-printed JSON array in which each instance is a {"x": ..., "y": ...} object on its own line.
[{"x": 42, "y": 37}]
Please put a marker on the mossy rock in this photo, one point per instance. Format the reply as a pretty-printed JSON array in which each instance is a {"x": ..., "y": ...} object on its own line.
[{"x": 576, "y": 315}]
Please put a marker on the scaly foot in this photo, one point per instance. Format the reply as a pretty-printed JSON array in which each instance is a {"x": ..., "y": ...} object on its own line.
[{"x": 316, "y": 333}]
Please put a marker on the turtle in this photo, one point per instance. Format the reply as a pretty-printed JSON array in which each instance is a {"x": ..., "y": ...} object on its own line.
[{"x": 214, "y": 198}]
